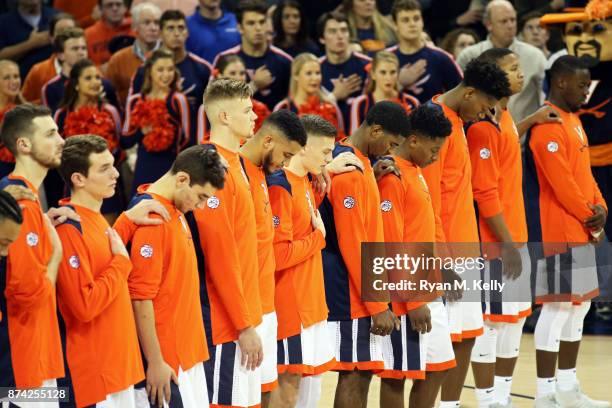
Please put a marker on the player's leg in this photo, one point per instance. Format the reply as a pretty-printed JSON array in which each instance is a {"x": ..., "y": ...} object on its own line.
[
  {"x": 547, "y": 336},
  {"x": 392, "y": 392},
  {"x": 286, "y": 395},
  {"x": 352, "y": 389},
  {"x": 310, "y": 392},
  {"x": 483, "y": 363}
]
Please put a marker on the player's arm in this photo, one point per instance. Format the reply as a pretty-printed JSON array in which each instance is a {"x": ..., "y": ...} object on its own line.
[
  {"x": 550, "y": 155},
  {"x": 347, "y": 197},
  {"x": 86, "y": 295},
  {"x": 144, "y": 282},
  {"x": 433, "y": 176},
  {"x": 288, "y": 251},
  {"x": 392, "y": 204},
  {"x": 32, "y": 280},
  {"x": 216, "y": 231}
]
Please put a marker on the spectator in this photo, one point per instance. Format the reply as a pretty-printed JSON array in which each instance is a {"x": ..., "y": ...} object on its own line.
[
  {"x": 186, "y": 6},
  {"x": 24, "y": 34},
  {"x": 82, "y": 10},
  {"x": 425, "y": 69},
  {"x": 500, "y": 21},
  {"x": 42, "y": 72},
  {"x": 212, "y": 30},
  {"x": 111, "y": 24},
  {"x": 343, "y": 71},
  {"x": 156, "y": 119},
  {"x": 71, "y": 48},
  {"x": 83, "y": 111},
  {"x": 194, "y": 71},
  {"x": 10, "y": 96},
  {"x": 124, "y": 63},
  {"x": 533, "y": 33},
  {"x": 368, "y": 27},
  {"x": 230, "y": 66},
  {"x": 268, "y": 67},
  {"x": 306, "y": 96},
  {"x": 455, "y": 41},
  {"x": 291, "y": 31},
  {"x": 382, "y": 86},
  {"x": 449, "y": 15}
]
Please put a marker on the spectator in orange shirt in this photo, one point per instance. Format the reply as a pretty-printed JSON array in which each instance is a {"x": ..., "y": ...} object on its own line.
[
  {"x": 112, "y": 23},
  {"x": 29, "y": 334},
  {"x": 96, "y": 258},
  {"x": 124, "y": 63},
  {"x": 42, "y": 72}
]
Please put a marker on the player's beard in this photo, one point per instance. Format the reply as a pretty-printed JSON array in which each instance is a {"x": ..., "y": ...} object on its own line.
[
  {"x": 45, "y": 159},
  {"x": 267, "y": 164}
]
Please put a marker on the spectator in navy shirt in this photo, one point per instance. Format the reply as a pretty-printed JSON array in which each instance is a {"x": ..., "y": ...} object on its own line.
[
  {"x": 211, "y": 30},
  {"x": 71, "y": 47},
  {"x": 425, "y": 70},
  {"x": 268, "y": 67},
  {"x": 291, "y": 30},
  {"x": 24, "y": 34},
  {"x": 195, "y": 72},
  {"x": 343, "y": 71}
]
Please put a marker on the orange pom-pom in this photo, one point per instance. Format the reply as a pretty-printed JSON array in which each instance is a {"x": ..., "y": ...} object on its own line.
[
  {"x": 91, "y": 120},
  {"x": 153, "y": 113}
]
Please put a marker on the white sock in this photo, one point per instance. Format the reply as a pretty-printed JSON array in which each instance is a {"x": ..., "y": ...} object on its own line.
[
  {"x": 566, "y": 379},
  {"x": 449, "y": 404},
  {"x": 502, "y": 386},
  {"x": 545, "y": 386},
  {"x": 485, "y": 397}
]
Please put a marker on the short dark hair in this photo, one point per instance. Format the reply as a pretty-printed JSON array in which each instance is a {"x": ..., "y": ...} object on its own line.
[
  {"x": 404, "y": 5},
  {"x": 331, "y": 15},
  {"x": 75, "y": 155},
  {"x": 171, "y": 15},
  {"x": 226, "y": 88},
  {"x": 203, "y": 164},
  {"x": 57, "y": 18},
  {"x": 255, "y": 6},
  {"x": 390, "y": 116},
  {"x": 529, "y": 16},
  {"x": 18, "y": 123},
  {"x": 9, "y": 208},
  {"x": 289, "y": 124},
  {"x": 488, "y": 78},
  {"x": 565, "y": 65},
  {"x": 316, "y": 125},
  {"x": 494, "y": 55},
  {"x": 65, "y": 35},
  {"x": 429, "y": 121}
]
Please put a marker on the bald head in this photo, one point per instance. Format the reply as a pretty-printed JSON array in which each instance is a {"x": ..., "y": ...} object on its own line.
[{"x": 500, "y": 20}]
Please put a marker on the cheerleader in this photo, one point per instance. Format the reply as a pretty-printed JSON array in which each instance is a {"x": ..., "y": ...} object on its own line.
[
  {"x": 230, "y": 66},
  {"x": 157, "y": 119},
  {"x": 382, "y": 85},
  {"x": 84, "y": 111},
  {"x": 305, "y": 94},
  {"x": 10, "y": 96}
]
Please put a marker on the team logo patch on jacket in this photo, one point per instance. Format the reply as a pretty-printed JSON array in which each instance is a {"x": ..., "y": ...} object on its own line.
[
  {"x": 349, "y": 202},
  {"x": 146, "y": 251}
]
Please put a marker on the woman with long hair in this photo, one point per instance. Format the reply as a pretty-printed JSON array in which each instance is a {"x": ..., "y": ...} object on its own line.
[
  {"x": 306, "y": 97},
  {"x": 230, "y": 66},
  {"x": 10, "y": 96},
  {"x": 291, "y": 29},
  {"x": 83, "y": 110},
  {"x": 368, "y": 27},
  {"x": 382, "y": 85},
  {"x": 157, "y": 119}
]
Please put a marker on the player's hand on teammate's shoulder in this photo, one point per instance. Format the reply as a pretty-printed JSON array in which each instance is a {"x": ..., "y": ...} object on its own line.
[
  {"x": 139, "y": 214},
  {"x": 20, "y": 192},
  {"x": 384, "y": 166},
  {"x": 344, "y": 163}
]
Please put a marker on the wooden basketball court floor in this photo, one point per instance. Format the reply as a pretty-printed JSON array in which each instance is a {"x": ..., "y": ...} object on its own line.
[{"x": 594, "y": 373}]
